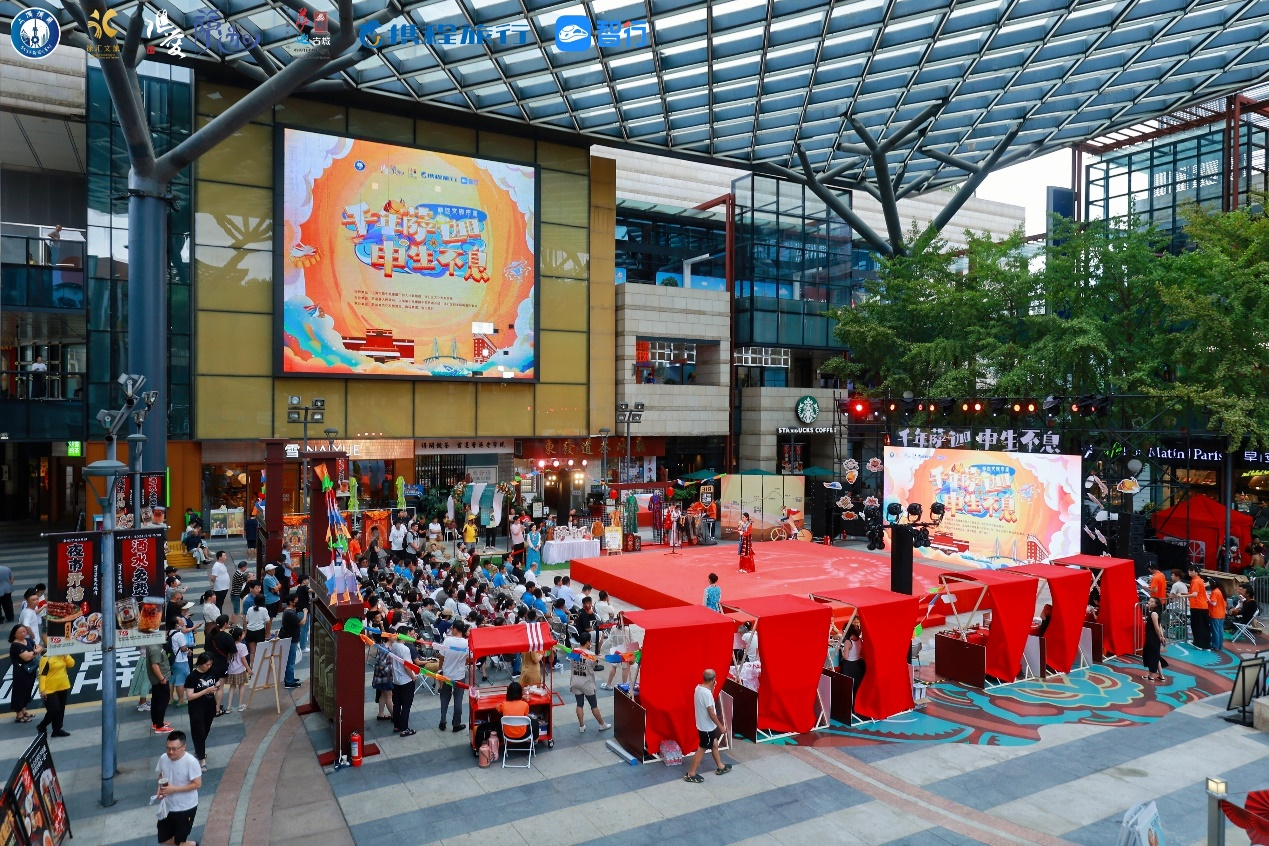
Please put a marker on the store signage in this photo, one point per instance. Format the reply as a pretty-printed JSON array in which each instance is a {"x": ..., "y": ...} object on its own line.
[
  {"x": 372, "y": 450},
  {"x": 576, "y": 34},
  {"x": 457, "y": 446},
  {"x": 213, "y": 34},
  {"x": 74, "y": 449},
  {"x": 807, "y": 430},
  {"x": 807, "y": 409},
  {"x": 173, "y": 38},
  {"x": 1006, "y": 440}
]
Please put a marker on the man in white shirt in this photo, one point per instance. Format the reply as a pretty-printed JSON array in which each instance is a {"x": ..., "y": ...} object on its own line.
[
  {"x": 180, "y": 777},
  {"x": 29, "y": 616},
  {"x": 396, "y": 539},
  {"x": 220, "y": 578},
  {"x": 402, "y": 685},
  {"x": 565, "y": 592},
  {"x": 454, "y": 652},
  {"x": 707, "y": 727},
  {"x": 750, "y": 640}
]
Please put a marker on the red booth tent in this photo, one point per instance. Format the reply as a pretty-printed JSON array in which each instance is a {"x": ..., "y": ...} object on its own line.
[
  {"x": 1069, "y": 588},
  {"x": 501, "y": 640},
  {"x": 888, "y": 621},
  {"x": 791, "y": 633},
  {"x": 1201, "y": 518},
  {"x": 1119, "y": 609},
  {"x": 679, "y": 644},
  {"x": 1012, "y": 607}
]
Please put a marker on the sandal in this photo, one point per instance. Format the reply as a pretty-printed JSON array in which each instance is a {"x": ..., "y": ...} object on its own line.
[
  {"x": 25, "y": 719},
  {"x": 724, "y": 770},
  {"x": 695, "y": 779}
]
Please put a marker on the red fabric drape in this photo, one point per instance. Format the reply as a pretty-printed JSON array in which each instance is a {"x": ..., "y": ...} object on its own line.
[
  {"x": 1069, "y": 589},
  {"x": 1119, "y": 608},
  {"x": 679, "y": 644},
  {"x": 791, "y": 633},
  {"x": 1012, "y": 607},
  {"x": 888, "y": 620}
]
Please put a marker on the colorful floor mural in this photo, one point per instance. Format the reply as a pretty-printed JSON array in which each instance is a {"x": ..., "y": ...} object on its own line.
[{"x": 1110, "y": 694}]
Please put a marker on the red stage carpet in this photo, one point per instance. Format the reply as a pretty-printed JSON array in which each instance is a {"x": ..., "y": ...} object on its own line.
[{"x": 653, "y": 579}]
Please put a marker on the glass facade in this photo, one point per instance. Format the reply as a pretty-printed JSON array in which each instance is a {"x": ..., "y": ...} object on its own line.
[
  {"x": 793, "y": 262},
  {"x": 1154, "y": 181},
  {"x": 168, "y": 95},
  {"x": 654, "y": 242}
]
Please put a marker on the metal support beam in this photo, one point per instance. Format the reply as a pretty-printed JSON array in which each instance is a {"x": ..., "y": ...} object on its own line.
[
  {"x": 885, "y": 188},
  {"x": 971, "y": 185},
  {"x": 834, "y": 202}
]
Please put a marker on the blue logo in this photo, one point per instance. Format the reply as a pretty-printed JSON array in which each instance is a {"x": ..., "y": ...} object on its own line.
[
  {"x": 359, "y": 164},
  {"x": 35, "y": 33},
  {"x": 573, "y": 33}
]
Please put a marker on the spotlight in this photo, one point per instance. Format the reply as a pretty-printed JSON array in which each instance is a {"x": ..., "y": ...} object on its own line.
[
  {"x": 914, "y": 510},
  {"x": 893, "y": 510},
  {"x": 972, "y": 406},
  {"x": 921, "y": 537},
  {"x": 910, "y": 405},
  {"x": 1052, "y": 405},
  {"x": 997, "y": 405},
  {"x": 937, "y": 509},
  {"x": 946, "y": 404}
]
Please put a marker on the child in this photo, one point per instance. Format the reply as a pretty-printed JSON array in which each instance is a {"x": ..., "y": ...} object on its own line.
[
  {"x": 239, "y": 671},
  {"x": 616, "y": 644}
]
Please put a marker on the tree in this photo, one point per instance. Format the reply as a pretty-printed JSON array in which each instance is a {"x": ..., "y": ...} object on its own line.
[{"x": 89, "y": 24}]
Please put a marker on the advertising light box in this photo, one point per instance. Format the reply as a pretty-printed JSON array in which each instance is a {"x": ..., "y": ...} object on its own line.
[
  {"x": 402, "y": 262},
  {"x": 1003, "y": 508}
]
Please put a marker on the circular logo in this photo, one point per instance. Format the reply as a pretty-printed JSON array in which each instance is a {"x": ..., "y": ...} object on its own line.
[
  {"x": 807, "y": 409},
  {"x": 359, "y": 164},
  {"x": 35, "y": 33}
]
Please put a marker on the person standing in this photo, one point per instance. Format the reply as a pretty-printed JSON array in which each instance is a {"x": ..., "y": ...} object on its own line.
[
  {"x": 55, "y": 687},
  {"x": 582, "y": 684},
  {"x": 201, "y": 687},
  {"x": 707, "y": 727},
  {"x": 1216, "y": 615},
  {"x": 396, "y": 539},
  {"x": 159, "y": 669},
  {"x": 1156, "y": 642},
  {"x": 1159, "y": 590},
  {"x": 259, "y": 623},
  {"x": 220, "y": 579},
  {"x": 24, "y": 653},
  {"x": 240, "y": 578},
  {"x": 454, "y": 652},
  {"x": 745, "y": 548},
  {"x": 29, "y": 616},
  {"x": 1200, "y": 628},
  {"x": 403, "y": 679},
  {"x": 304, "y": 606},
  {"x": 290, "y": 629},
  {"x": 517, "y": 540},
  {"x": 179, "y": 780},
  {"x": 182, "y": 648},
  {"x": 272, "y": 590},
  {"x": 39, "y": 378},
  {"x": 713, "y": 598},
  {"x": 6, "y": 595}
]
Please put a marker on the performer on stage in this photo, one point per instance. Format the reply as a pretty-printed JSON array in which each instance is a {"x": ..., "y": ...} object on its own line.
[
  {"x": 673, "y": 516},
  {"x": 746, "y": 544}
]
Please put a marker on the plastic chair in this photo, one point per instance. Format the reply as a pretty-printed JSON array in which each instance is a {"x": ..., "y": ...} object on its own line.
[{"x": 527, "y": 743}]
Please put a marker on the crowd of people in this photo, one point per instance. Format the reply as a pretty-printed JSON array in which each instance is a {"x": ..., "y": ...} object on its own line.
[{"x": 1210, "y": 613}]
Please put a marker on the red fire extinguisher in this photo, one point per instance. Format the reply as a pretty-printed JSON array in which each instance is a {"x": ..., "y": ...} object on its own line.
[{"x": 354, "y": 748}]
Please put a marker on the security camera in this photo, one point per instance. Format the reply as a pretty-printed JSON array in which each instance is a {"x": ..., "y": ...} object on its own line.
[
  {"x": 105, "y": 418},
  {"x": 151, "y": 397}
]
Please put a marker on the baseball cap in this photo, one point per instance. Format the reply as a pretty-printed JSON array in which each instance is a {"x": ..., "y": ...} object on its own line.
[
  {"x": 187, "y": 606},
  {"x": 268, "y": 567}
]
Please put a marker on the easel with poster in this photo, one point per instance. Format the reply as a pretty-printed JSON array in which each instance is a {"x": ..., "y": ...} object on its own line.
[
  {"x": 267, "y": 670},
  {"x": 32, "y": 810}
]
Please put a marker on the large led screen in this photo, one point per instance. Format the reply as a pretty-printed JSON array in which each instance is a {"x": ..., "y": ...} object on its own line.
[
  {"x": 405, "y": 262},
  {"x": 1002, "y": 508}
]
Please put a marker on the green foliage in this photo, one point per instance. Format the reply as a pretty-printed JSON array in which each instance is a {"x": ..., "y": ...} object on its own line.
[{"x": 1108, "y": 311}]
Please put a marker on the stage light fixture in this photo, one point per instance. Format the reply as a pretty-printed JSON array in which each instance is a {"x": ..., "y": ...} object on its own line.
[
  {"x": 937, "y": 509},
  {"x": 914, "y": 510},
  {"x": 893, "y": 510},
  {"x": 997, "y": 405},
  {"x": 1052, "y": 405},
  {"x": 946, "y": 404}
]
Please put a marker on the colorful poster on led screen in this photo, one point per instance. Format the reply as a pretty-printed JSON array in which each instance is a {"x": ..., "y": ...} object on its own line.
[
  {"x": 405, "y": 262},
  {"x": 1003, "y": 508}
]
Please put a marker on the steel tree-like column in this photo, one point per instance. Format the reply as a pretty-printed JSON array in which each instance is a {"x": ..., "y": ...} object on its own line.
[{"x": 148, "y": 350}]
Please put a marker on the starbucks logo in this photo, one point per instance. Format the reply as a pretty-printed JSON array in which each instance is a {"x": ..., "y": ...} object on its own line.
[{"x": 807, "y": 409}]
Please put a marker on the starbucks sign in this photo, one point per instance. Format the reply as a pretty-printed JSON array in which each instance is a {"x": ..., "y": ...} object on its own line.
[{"x": 807, "y": 409}]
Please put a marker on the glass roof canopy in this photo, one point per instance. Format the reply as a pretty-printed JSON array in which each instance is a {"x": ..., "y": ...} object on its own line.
[{"x": 748, "y": 81}]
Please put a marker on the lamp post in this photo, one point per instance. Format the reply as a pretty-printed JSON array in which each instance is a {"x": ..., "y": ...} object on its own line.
[
  {"x": 298, "y": 412},
  {"x": 1217, "y": 790},
  {"x": 629, "y": 415}
]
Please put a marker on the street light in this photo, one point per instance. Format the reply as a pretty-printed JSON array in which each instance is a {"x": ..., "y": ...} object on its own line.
[
  {"x": 1217, "y": 790},
  {"x": 629, "y": 415},
  {"x": 298, "y": 412}
]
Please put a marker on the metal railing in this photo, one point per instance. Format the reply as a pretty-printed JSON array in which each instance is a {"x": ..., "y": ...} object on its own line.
[{"x": 53, "y": 385}]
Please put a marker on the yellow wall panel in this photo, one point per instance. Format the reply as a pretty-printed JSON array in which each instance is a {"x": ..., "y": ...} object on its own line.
[
  {"x": 214, "y": 98},
  {"x": 440, "y": 136},
  {"x": 603, "y": 293},
  {"x": 565, "y": 251},
  {"x": 444, "y": 409},
  {"x": 232, "y": 407},
  {"x": 234, "y": 280},
  {"x": 504, "y": 410},
  {"x": 244, "y": 158},
  {"x": 380, "y": 409},
  {"x": 565, "y": 198},
  {"x": 561, "y": 410},
  {"x": 500, "y": 146},
  {"x": 233, "y": 216},
  {"x": 381, "y": 127},
  {"x": 234, "y": 344},
  {"x": 311, "y": 114},
  {"x": 562, "y": 157},
  {"x": 331, "y": 390},
  {"x": 564, "y": 357},
  {"x": 563, "y": 304}
]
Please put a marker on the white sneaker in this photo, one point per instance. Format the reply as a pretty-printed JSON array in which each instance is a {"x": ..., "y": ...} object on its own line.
[
  {"x": 144, "y": 706},
  {"x": 581, "y": 729},
  {"x": 605, "y": 686},
  {"x": 604, "y": 726}
]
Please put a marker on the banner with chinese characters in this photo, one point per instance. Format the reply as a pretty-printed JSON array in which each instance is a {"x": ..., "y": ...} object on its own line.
[
  {"x": 1006, "y": 440},
  {"x": 1001, "y": 508},
  {"x": 406, "y": 262},
  {"x": 592, "y": 449},
  {"x": 153, "y": 500}
]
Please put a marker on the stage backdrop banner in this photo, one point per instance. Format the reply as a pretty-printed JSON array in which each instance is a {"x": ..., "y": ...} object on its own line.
[
  {"x": 1069, "y": 588},
  {"x": 679, "y": 644},
  {"x": 1003, "y": 508},
  {"x": 888, "y": 621},
  {"x": 788, "y": 629},
  {"x": 405, "y": 262}
]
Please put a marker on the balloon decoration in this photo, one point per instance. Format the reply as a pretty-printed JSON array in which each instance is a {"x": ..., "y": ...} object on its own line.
[{"x": 400, "y": 492}]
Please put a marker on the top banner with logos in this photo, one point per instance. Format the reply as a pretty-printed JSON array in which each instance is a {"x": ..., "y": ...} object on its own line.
[{"x": 1007, "y": 440}]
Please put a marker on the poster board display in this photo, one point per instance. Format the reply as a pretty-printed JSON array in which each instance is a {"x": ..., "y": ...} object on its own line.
[
  {"x": 1003, "y": 508},
  {"x": 32, "y": 808},
  {"x": 153, "y": 500},
  {"x": 403, "y": 262},
  {"x": 764, "y": 498},
  {"x": 295, "y": 535},
  {"x": 612, "y": 537}
]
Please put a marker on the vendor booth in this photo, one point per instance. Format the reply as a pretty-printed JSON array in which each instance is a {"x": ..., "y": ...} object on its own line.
[
  {"x": 887, "y": 621},
  {"x": 483, "y": 700},
  {"x": 1055, "y": 646},
  {"x": 1200, "y": 520},
  {"x": 790, "y": 631},
  {"x": 1115, "y": 630},
  {"x": 970, "y": 654},
  {"x": 679, "y": 644}
]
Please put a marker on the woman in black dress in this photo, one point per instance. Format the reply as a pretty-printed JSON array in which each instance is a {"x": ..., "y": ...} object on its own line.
[
  {"x": 23, "y": 650},
  {"x": 1152, "y": 653}
]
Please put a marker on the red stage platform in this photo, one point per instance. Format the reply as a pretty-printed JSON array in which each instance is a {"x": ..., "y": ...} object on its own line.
[{"x": 654, "y": 579}]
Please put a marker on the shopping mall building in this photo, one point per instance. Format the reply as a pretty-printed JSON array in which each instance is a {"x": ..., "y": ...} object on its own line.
[{"x": 679, "y": 306}]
